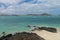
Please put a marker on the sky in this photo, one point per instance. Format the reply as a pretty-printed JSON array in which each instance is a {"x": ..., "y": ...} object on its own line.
[{"x": 30, "y": 6}]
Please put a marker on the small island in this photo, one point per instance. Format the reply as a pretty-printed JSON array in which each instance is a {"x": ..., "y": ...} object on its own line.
[{"x": 43, "y": 14}]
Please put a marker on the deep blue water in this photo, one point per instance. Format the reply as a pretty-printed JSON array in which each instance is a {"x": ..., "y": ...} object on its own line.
[{"x": 19, "y": 23}]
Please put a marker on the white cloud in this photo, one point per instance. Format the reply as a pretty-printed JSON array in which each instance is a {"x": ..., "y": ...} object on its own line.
[
  {"x": 9, "y": 1},
  {"x": 30, "y": 7}
]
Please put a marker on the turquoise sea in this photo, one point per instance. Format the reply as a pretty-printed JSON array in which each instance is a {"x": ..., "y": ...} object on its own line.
[{"x": 19, "y": 23}]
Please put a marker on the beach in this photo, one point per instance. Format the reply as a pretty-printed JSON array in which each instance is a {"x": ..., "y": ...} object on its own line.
[
  {"x": 39, "y": 34},
  {"x": 48, "y": 35}
]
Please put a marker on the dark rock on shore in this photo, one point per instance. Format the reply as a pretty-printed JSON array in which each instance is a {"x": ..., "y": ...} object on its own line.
[
  {"x": 29, "y": 26},
  {"x": 50, "y": 29},
  {"x": 7, "y": 36},
  {"x": 22, "y": 36},
  {"x": 54, "y": 30}
]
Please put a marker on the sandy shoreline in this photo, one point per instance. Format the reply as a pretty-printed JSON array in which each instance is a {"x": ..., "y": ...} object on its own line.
[
  {"x": 45, "y": 34},
  {"x": 48, "y": 35}
]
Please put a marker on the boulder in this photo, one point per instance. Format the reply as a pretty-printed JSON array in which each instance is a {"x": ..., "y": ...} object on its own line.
[
  {"x": 50, "y": 29},
  {"x": 29, "y": 26},
  {"x": 7, "y": 36},
  {"x": 54, "y": 30},
  {"x": 23, "y": 36}
]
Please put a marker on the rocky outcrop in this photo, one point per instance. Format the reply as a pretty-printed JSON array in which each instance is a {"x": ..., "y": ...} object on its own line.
[
  {"x": 50, "y": 29},
  {"x": 22, "y": 36},
  {"x": 54, "y": 30}
]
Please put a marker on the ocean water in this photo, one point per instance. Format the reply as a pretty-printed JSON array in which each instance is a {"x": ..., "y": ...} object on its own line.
[{"x": 20, "y": 23}]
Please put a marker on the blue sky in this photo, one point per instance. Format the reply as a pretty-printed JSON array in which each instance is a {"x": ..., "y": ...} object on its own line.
[{"x": 29, "y": 6}]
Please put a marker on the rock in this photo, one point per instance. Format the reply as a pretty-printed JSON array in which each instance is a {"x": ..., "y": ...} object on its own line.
[
  {"x": 39, "y": 28},
  {"x": 23, "y": 36},
  {"x": 54, "y": 30},
  {"x": 34, "y": 26},
  {"x": 28, "y": 26},
  {"x": 50, "y": 29},
  {"x": 43, "y": 28},
  {"x": 32, "y": 30},
  {"x": 7, "y": 36}
]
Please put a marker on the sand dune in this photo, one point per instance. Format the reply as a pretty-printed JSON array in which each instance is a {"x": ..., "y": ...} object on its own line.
[{"x": 48, "y": 35}]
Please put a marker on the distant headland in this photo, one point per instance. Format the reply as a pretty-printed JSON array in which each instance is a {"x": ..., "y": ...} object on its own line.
[{"x": 43, "y": 14}]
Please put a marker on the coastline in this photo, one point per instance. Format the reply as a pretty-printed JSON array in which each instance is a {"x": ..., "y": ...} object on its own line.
[
  {"x": 13, "y": 32},
  {"x": 41, "y": 33},
  {"x": 48, "y": 35}
]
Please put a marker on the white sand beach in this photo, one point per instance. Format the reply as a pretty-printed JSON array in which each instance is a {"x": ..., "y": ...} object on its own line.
[{"x": 48, "y": 35}]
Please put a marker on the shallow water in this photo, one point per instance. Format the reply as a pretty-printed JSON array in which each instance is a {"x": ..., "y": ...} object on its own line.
[{"x": 19, "y": 23}]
